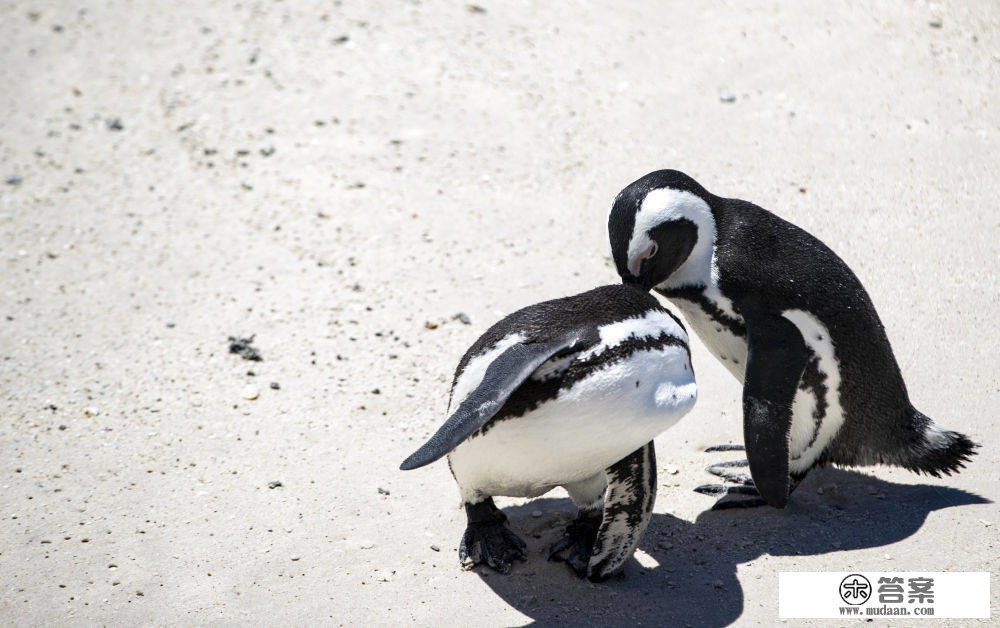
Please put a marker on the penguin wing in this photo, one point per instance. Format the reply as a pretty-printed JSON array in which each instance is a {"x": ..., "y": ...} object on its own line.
[
  {"x": 776, "y": 357},
  {"x": 501, "y": 379}
]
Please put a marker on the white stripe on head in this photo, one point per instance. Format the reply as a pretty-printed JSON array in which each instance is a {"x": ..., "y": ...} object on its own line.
[{"x": 667, "y": 204}]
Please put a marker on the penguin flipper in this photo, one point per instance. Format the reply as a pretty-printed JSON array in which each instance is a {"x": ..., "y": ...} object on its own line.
[
  {"x": 502, "y": 377},
  {"x": 776, "y": 357},
  {"x": 628, "y": 507}
]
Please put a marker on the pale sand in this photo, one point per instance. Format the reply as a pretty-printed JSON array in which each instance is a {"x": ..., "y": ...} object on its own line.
[{"x": 489, "y": 146}]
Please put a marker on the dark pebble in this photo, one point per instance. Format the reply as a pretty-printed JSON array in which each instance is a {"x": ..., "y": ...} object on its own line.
[
  {"x": 274, "y": 484},
  {"x": 14, "y": 180},
  {"x": 435, "y": 548},
  {"x": 376, "y": 391},
  {"x": 462, "y": 316},
  {"x": 244, "y": 348},
  {"x": 275, "y": 386},
  {"x": 115, "y": 125},
  {"x": 62, "y": 428},
  {"x": 382, "y": 491}
]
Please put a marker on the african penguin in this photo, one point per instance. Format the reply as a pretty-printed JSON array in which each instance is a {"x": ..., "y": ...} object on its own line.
[
  {"x": 789, "y": 320},
  {"x": 570, "y": 393}
]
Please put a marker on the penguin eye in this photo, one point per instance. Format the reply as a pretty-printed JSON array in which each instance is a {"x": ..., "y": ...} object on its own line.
[{"x": 653, "y": 249}]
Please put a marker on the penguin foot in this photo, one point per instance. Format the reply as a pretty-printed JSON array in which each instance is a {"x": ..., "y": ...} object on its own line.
[
  {"x": 725, "y": 471},
  {"x": 741, "y": 483},
  {"x": 726, "y": 447},
  {"x": 488, "y": 539},
  {"x": 723, "y": 490},
  {"x": 575, "y": 547}
]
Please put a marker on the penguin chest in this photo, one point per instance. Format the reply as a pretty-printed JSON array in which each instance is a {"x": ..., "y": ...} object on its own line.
[
  {"x": 718, "y": 335},
  {"x": 573, "y": 419}
]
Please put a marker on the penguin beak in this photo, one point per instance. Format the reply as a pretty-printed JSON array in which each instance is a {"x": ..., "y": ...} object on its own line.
[{"x": 635, "y": 264}]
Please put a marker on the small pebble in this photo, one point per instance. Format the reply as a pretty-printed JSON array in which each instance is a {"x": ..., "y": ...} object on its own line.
[
  {"x": 244, "y": 348},
  {"x": 464, "y": 318},
  {"x": 985, "y": 522},
  {"x": 92, "y": 411},
  {"x": 366, "y": 544},
  {"x": 115, "y": 125},
  {"x": 62, "y": 428},
  {"x": 275, "y": 386},
  {"x": 671, "y": 469},
  {"x": 274, "y": 484},
  {"x": 250, "y": 393},
  {"x": 296, "y": 557},
  {"x": 536, "y": 513},
  {"x": 935, "y": 23},
  {"x": 14, "y": 180},
  {"x": 435, "y": 548},
  {"x": 382, "y": 491},
  {"x": 727, "y": 96},
  {"x": 430, "y": 325},
  {"x": 376, "y": 391}
]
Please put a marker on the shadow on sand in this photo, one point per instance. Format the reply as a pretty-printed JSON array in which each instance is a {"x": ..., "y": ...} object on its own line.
[{"x": 695, "y": 583}]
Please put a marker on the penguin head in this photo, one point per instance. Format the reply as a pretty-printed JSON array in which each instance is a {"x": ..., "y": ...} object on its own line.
[{"x": 662, "y": 231}]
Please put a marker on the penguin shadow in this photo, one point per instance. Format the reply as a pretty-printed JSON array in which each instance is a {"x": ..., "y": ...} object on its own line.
[{"x": 686, "y": 572}]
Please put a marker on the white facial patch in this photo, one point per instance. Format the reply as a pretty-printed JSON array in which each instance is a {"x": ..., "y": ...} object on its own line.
[{"x": 665, "y": 205}]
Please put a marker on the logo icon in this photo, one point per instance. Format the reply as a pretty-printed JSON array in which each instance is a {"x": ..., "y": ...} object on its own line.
[{"x": 855, "y": 589}]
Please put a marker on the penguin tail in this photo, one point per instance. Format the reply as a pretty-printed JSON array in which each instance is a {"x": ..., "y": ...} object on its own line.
[{"x": 937, "y": 451}]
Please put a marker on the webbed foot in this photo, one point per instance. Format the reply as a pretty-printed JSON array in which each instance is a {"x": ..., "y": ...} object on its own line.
[
  {"x": 488, "y": 539},
  {"x": 734, "y": 482},
  {"x": 575, "y": 546}
]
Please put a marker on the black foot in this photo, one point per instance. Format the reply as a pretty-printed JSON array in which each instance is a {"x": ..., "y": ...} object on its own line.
[
  {"x": 735, "y": 482},
  {"x": 725, "y": 471},
  {"x": 488, "y": 539},
  {"x": 727, "y": 447},
  {"x": 576, "y": 545}
]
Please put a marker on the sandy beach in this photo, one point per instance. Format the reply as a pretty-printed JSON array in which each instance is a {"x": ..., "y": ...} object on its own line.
[{"x": 364, "y": 188}]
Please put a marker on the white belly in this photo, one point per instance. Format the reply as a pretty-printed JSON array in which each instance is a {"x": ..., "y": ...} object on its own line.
[
  {"x": 809, "y": 434},
  {"x": 727, "y": 347},
  {"x": 587, "y": 428}
]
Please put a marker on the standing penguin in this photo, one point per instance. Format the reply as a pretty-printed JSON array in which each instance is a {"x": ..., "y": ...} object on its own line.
[
  {"x": 790, "y": 320},
  {"x": 568, "y": 393}
]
